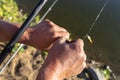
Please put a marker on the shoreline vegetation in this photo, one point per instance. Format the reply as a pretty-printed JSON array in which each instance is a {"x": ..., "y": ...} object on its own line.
[{"x": 26, "y": 66}]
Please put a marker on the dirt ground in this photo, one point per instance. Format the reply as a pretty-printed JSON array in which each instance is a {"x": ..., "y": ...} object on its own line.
[{"x": 25, "y": 66}]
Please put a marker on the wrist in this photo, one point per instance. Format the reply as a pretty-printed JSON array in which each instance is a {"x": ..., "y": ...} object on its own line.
[
  {"x": 51, "y": 71},
  {"x": 47, "y": 74},
  {"x": 25, "y": 37}
]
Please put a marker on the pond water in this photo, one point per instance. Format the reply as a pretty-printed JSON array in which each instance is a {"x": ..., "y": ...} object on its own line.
[{"x": 78, "y": 15}]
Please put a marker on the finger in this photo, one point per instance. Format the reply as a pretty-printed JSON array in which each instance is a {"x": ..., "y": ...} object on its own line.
[
  {"x": 61, "y": 28},
  {"x": 79, "y": 67},
  {"x": 59, "y": 34},
  {"x": 82, "y": 64},
  {"x": 64, "y": 34},
  {"x": 78, "y": 42},
  {"x": 60, "y": 40},
  {"x": 57, "y": 28},
  {"x": 82, "y": 67},
  {"x": 46, "y": 20}
]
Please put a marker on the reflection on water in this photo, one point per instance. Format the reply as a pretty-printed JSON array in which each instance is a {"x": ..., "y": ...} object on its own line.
[{"x": 78, "y": 15}]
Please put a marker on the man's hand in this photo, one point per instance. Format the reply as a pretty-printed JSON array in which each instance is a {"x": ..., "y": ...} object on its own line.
[
  {"x": 43, "y": 35},
  {"x": 40, "y": 36},
  {"x": 65, "y": 59}
]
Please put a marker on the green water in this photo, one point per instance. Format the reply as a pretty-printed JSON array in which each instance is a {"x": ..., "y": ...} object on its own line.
[{"x": 78, "y": 15}]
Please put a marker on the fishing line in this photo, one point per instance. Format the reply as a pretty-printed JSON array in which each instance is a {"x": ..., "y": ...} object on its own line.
[
  {"x": 96, "y": 19},
  {"x": 49, "y": 9},
  {"x": 3, "y": 68},
  {"x": 92, "y": 26},
  {"x": 18, "y": 49}
]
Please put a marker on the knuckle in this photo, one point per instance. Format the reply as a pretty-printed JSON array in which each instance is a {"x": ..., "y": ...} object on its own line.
[
  {"x": 75, "y": 48},
  {"x": 63, "y": 29},
  {"x": 54, "y": 34},
  {"x": 45, "y": 21},
  {"x": 67, "y": 35},
  {"x": 80, "y": 41},
  {"x": 48, "y": 22}
]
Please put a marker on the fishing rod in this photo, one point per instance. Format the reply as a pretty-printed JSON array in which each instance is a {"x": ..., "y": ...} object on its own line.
[
  {"x": 22, "y": 29},
  {"x": 15, "y": 53},
  {"x": 94, "y": 22},
  {"x": 92, "y": 74}
]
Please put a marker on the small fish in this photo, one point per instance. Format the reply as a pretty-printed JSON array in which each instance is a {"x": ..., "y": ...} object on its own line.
[{"x": 90, "y": 39}]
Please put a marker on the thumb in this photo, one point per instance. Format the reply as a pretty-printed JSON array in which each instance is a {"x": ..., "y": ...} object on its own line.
[{"x": 80, "y": 43}]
